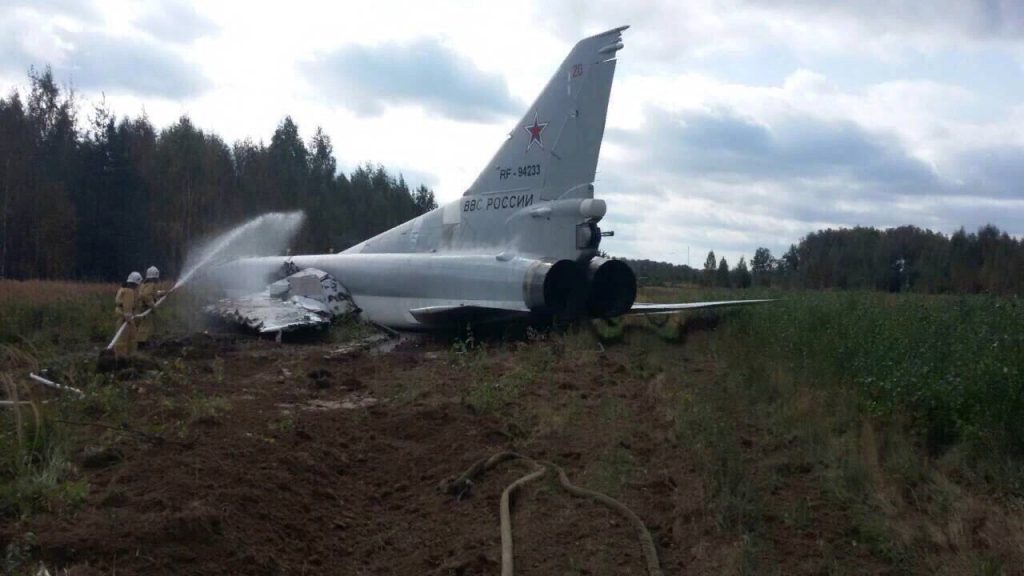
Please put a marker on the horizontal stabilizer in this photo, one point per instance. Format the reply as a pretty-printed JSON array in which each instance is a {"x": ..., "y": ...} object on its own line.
[{"x": 641, "y": 308}]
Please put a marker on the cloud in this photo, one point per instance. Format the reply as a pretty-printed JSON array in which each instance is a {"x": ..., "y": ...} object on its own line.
[
  {"x": 762, "y": 40},
  {"x": 414, "y": 178},
  {"x": 424, "y": 73},
  {"x": 994, "y": 172},
  {"x": 721, "y": 145},
  {"x": 93, "y": 60},
  {"x": 131, "y": 64},
  {"x": 26, "y": 39},
  {"x": 175, "y": 21},
  {"x": 976, "y": 19},
  {"x": 84, "y": 10}
]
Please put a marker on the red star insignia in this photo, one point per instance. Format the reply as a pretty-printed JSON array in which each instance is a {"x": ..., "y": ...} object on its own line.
[{"x": 534, "y": 131}]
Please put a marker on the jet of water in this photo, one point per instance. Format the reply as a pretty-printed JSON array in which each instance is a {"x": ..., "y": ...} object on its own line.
[{"x": 264, "y": 235}]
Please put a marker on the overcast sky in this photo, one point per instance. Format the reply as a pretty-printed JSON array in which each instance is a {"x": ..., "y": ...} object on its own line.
[{"x": 733, "y": 124}]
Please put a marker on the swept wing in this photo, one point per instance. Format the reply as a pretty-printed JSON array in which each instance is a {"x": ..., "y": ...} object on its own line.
[{"x": 643, "y": 308}]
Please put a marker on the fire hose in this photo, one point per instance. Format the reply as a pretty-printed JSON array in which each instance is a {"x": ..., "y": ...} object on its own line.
[
  {"x": 124, "y": 324},
  {"x": 463, "y": 484}
]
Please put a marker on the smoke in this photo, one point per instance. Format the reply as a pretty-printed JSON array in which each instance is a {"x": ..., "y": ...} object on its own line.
[{"x": 266, "y": 235}]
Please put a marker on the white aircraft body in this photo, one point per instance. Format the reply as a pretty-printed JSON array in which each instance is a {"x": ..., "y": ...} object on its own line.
[{"x": 521, "y": 241}]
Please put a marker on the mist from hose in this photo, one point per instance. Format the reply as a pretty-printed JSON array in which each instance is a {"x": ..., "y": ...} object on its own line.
[{"x": 266, "y": 235}]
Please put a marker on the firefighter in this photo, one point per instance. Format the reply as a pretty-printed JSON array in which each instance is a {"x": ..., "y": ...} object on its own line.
[
  {"x": 148, "y": 295},
  {"x": 125, "y": 307}
]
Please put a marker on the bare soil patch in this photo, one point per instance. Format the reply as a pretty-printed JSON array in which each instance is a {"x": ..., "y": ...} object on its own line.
[{"x": 281, "y": 459}]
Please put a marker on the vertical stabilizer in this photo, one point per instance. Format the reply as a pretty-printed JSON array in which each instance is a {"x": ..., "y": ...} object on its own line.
[{"x": 554, "y": 148}]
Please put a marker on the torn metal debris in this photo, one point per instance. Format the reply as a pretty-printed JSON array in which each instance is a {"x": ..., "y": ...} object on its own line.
[{"x": 308, "y": 298}]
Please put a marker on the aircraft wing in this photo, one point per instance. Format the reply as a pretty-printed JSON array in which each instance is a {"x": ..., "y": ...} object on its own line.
[
  {"x": 642, "y": 308},
  {"x": 309, "y": 298}
]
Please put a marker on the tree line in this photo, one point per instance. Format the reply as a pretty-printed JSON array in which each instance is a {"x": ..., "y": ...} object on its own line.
[
  {"x": 902, "y": 259},
  {"x": 114, "y": 195},
  {"x": 99, "y": 198},
  {"x": 906, "y": 258}
]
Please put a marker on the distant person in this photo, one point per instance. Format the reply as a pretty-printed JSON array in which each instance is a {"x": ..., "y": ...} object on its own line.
[
  {"x": 125, "y": 307},
  {"x": 148, "y": 295}
]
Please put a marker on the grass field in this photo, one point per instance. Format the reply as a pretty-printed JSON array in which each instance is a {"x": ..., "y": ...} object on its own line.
[
  {"x": 951, "y": 368},
  {"x": 828, "y": 432},
  {"x": 906, "y": 409},
  {"x": 948, "y": 369},
  {"x": 47, "y": 315},
  {"x": 48, "y": 319}
]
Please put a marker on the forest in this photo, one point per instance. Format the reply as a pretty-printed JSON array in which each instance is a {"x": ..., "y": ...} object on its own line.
[
  {"x": 94, "y": 203},
  {"x": 901, "y": 259},
  {"x": 93, "y": 197}
]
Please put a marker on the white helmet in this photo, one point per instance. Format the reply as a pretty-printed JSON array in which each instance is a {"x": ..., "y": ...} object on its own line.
[
  {"x": 135, "y": 278},
  {"x": 152, "y": 273}
]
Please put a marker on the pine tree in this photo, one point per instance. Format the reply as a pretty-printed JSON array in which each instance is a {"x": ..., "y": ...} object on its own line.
[
  {"x": 722, "y": 278},
  {"x": 761, "y": 266},
  {"x": 424, "y": 199},
  {"x": 741, "y": 277},
  {"x": 710, "y": 265}
]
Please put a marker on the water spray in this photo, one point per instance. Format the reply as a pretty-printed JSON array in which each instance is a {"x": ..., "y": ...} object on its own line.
[
  {"x": 266, "y": 234},
  {"x": 262, "y": 236}
]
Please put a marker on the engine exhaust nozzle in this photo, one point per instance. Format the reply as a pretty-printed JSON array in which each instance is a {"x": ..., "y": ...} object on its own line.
[{"x": 612, "y": 288}]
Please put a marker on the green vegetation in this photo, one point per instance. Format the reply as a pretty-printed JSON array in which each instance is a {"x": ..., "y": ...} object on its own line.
[
  {"x": 35, "y": 470},
  {"x": 46, "y": 322},
  {"x": 832, "y": 414},
  {"x": 706, "y": 420},
  {"x": 951, "y": 368},
  {"x": 612, "y": 471},
  {"x": 490, "y": 396},
  {"x": 43, "y": 317},
  {"x": 60, "y": 326},
  {"x": 349, "y": 329},
  {"x": 898, "y": 406},
  {"x": 877, "y": 420},
  {"x": 206, "y": 408},
  {"x": 37, "y": 475}
]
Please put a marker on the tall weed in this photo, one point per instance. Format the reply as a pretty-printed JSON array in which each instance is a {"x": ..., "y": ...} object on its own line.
[{"x": 953, "y": 367}]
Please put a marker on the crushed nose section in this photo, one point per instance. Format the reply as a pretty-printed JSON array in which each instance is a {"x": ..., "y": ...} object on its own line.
[
  {"x": 612, "y": 288},
  {"x": 317, "y": 285},
  {"x": 308, "y": 298}
]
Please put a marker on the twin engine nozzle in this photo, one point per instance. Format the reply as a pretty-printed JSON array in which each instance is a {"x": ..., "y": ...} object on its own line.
[{"x": 600, "y": 288}]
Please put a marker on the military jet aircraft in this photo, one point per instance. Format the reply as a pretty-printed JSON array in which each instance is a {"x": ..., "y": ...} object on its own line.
[{"x": 522, "y": 241}]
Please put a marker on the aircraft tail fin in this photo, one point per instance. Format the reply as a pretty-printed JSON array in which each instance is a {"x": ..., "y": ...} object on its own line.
[{"x": 554, "y": 148}]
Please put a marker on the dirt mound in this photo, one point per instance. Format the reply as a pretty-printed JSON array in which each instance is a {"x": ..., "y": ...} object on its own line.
[{"x": 304, "y": 468}]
